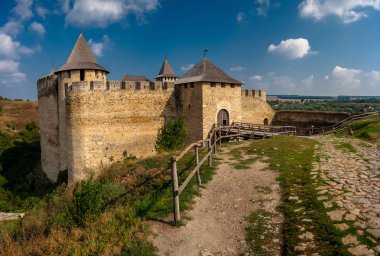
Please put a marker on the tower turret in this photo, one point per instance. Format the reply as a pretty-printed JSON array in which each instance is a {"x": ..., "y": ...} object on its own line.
[{"x": 166, "y": 73}]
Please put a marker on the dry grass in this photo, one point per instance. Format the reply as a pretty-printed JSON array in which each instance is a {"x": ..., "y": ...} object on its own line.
[{"x": 14, "y": 115}]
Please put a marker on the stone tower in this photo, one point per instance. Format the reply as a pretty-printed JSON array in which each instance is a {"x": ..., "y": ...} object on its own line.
[
  {"x": 81, "y": 68},
  {"x": 166, "y": 73}
]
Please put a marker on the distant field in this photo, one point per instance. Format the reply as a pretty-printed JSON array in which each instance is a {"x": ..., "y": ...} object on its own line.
[{"x": 14, "y": 115}]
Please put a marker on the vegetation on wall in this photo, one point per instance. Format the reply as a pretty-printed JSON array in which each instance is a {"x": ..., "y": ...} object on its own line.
[
  {"x": 172, "y": 135},
  {"x": 332, "y": 105}
]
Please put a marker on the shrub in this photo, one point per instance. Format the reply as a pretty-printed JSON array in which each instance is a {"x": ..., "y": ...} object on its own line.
[
  {"x": 87, "y": 203},
  {"x": 172, "y": 135}
]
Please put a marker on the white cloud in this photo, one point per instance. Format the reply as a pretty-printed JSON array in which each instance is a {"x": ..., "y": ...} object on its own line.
[
  {"x": 98, "y": 47},
  {"x": 38, "y": 28},
  {"x": 349, "y": 78},
  {"x": 12, "y": 28},
  {"x": 9, "y": 66},
  {"x": 256, "y": 78},
  {"x": 327, "y": 77},
  {"x": 12, "y": 49},
  {"x": 101, "y": 13},
  {"x": 240, "y": 17},
  {"x": 292, "y": 48},
  {"x": 237, "y": 69},
  {"x": 264, "y": 5},
  {"x": 187, "y": 67},
  {"x": 10, "y": 74},
  {"x": 309, "y": 81},
  {"x": 23, "y": 9},
  {"x": 42, "y": 12},
  {"x": 348, "y": 10}
]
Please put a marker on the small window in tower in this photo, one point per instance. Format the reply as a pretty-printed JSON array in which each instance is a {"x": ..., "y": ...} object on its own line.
[
  {"x": 192, "y": 85},
  {"x": 185, "y": 86},
  {"x": 213, "y": 84},
  {"x": 69, "y": 74},
  {"x": 82, "y": 74}
]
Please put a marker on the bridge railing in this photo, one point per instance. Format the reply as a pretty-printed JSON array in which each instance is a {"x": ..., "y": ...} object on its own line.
[{"x": 214, "y": 139}]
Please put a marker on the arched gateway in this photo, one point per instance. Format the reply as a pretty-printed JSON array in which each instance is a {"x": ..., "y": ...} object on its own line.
[{"x": 223, "y": 118}]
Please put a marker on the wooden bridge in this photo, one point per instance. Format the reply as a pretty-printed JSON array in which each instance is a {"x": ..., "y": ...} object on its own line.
[{"x": 214, "y": 139}]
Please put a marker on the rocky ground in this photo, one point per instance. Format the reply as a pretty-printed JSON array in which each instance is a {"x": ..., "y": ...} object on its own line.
[
  {"x": 347, "y": 178},
  {"x": 219, "y": 218}
]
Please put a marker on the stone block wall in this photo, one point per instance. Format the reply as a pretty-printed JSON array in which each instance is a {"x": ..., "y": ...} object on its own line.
[
  {"x": 49, "y": 125},
  {"x": 102, "y": 124},
  {"x": 217, "y": 96},
  {"x": 255, "y": 108}
]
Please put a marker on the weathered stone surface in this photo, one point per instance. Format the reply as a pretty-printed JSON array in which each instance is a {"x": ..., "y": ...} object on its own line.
[
  {"x": 342, "y": 226},
  {"x": 360, "y": 250},
  {"x": 336, "y": 215},
  {"x": 374, "y": 231},
  {"x": 350, "y": 239}
]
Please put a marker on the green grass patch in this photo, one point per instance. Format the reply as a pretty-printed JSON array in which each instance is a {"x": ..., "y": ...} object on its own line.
[
  {"x": 344, "y": 146},
  {"x": 293, "y": 157},
  {"x": 260, "y": 232}
]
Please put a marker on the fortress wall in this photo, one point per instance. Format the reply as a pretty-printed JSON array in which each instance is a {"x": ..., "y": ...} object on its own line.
[
  {"x": 217, "y": 97},
  {"x": 191, "y": 109},
  {"x": 302, "y": 117},
  {"x": 49, "y": 125},
  {"x": 102, "y": 124},
  {"x": 255, "y": 108}
]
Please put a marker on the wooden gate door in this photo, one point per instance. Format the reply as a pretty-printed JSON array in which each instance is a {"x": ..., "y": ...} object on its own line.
[{"x": 223, "y": 118}]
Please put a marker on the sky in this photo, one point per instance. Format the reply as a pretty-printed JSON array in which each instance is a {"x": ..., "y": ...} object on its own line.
[{"x": 303, "y": 47}]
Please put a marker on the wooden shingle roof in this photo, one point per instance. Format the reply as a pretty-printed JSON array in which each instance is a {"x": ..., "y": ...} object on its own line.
[
  {"x": 81, "y": 57},
  {"x": 166, "y": 70},
  {"x": 206, "y": 71}
]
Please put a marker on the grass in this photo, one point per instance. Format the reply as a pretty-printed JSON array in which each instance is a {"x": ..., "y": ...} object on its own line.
[
  {"x": 293, "y": 158},
  {"x": 261, "y": 233},
  {"x": 367, "y": 129},
  {"x": 131, "y": 192},
  {"x": 344, "y": 146}
]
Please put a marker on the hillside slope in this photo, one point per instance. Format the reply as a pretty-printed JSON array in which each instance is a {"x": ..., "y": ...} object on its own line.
[{"x": 14, "y": 115}]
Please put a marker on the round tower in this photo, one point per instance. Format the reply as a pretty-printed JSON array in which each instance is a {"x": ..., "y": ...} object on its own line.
[{"x": 80, "y": 68}]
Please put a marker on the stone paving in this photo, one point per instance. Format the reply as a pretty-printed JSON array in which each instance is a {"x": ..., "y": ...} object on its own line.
[{"x": 350, "y": 191}]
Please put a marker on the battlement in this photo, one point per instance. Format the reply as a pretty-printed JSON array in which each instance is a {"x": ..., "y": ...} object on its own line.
[
  {"x": 47, "y": 85},
  {"x": 115, "y": 85},
  {"x": 255, "y": 93}
]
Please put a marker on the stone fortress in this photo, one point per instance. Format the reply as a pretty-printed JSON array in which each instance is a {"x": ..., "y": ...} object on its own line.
[{"x": 88, "y": 121}]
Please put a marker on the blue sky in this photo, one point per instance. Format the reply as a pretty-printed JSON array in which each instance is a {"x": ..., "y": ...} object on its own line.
[{"x": 307, "y": 47}]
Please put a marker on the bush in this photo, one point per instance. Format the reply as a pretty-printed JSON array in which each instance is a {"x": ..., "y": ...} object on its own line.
[
  {"x": 87, "y": 203},
  {"x": 172, "y": 135}
]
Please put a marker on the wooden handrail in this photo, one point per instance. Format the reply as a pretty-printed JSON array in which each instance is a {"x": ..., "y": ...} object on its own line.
[{"x": 213, "y": 137}]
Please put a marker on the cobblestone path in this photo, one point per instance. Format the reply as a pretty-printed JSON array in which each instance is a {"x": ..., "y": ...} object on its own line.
[{"x": 347, "y": 179}]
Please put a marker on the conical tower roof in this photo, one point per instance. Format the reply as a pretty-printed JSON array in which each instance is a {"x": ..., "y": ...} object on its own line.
[
  {"x": 81, "y": 57},
  {"x": 206, "y": 71},
  {"x": 166, "y": 70}
]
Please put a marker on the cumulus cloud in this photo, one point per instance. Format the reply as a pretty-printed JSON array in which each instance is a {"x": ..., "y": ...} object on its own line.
[
  {"x": 309, "y": 81},
  {"x": 237, "y": 69},
  {"x": 10, "y": 73},
  {"x": 187, "y": 67},
  {"x": 12, "y": 49},
  {"x": 292, "y": 48},
  {"x": 23, "y": 9},
  {"x": 9, "y": 66},
  {"x": 346, "y": 77},
  {"x": 101, "y": 13},
  {"x": 38, "y": 28},
  {"x": 42, "y": 12},
  {"x": 256, "y": 78},
  {"x": 348, "y": 11},
  {"x": 240, "y": 17},
  {"x": 98, "y": 47},
  {"x": 12, "y": 28}
]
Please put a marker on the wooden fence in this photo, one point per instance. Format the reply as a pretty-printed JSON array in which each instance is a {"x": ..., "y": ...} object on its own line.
[{"x": 214, "y": 138}]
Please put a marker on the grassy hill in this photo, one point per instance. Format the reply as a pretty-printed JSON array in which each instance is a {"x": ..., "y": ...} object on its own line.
[
  {"x": 15, "y": 114},
  {"x": 367, "y": 129}
]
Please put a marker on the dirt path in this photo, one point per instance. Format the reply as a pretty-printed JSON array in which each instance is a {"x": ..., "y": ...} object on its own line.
[{"x": 218, "y": 219}]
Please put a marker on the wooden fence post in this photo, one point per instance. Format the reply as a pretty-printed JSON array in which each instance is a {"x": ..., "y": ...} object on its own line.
[
  {"x": 220, "y": 137},
  {"x": 214, "y": 143},
  {"x": 208, "y": 151},
  {"x": 177, "y": 216},
  {"x": 197, "y": 162}
]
